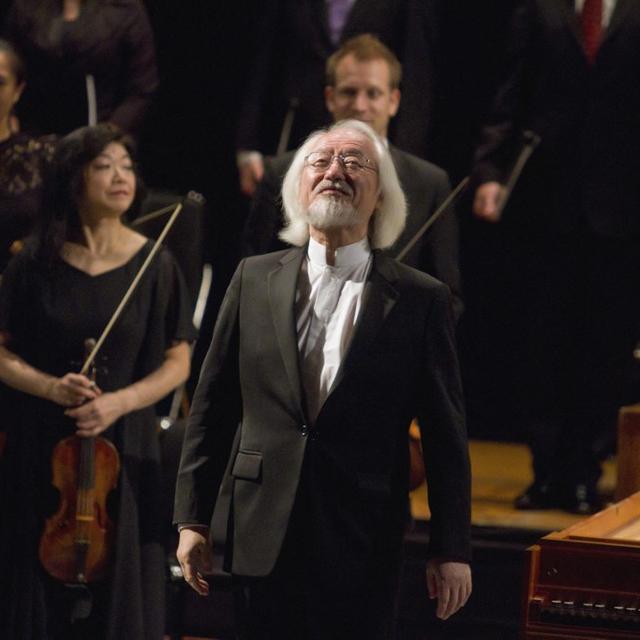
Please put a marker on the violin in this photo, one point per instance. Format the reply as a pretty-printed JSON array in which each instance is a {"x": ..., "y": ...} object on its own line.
[{"x": 77, "y": 541}]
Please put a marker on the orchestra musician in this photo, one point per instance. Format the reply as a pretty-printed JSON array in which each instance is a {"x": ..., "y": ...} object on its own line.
[
  {"x": 60, "y": 290},
  {"x": 568, "y": 252},
  {"x": 89, "y": 61},
  {"x": 282, "y": 103},
  {"x": 296, "y": 448}
]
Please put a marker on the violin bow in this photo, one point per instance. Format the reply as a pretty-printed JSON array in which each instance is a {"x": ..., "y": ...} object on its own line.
[
  {"x": 433, "y": 218},
  {"x": 177, "y": 208},
  {"x": 531, "y": 141},
  {"x": 153, "y": 214}
]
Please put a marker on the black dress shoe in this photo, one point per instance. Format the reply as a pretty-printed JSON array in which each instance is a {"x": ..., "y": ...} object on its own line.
[
  {"x": 582, "y": 500},
  {"x": 538, "y": 496}
]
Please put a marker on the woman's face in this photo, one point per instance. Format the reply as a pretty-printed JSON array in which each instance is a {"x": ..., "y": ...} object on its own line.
[
  {"x": 10, "y": 90},
  {"x": 110, "y": 182}
]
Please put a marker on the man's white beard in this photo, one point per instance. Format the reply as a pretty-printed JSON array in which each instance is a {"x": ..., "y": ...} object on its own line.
[{"x": 327, "y": 212}]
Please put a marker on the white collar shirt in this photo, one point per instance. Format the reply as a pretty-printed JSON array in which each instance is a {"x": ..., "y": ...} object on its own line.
[
  {"x": 328, "y": 304},
  {"x": 607, "y": 9}
]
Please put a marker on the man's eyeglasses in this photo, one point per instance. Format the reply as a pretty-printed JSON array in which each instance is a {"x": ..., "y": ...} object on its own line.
[{"x": 351, "y": 163}]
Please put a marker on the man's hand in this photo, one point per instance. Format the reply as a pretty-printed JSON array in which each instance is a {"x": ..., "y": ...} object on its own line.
[
  {"x": 450, "y": 583},
  {"x": 194, "y": 556},
  {"x": 250, "y": 172},
  {"x": 486, "y": 201}
]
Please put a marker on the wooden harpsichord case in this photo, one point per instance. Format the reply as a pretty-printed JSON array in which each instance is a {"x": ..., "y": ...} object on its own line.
[{"x": 584, "y": 582}]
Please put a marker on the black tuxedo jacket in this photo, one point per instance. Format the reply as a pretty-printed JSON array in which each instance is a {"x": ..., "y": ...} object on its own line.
[
  {"x": 248, "y": 442},
  {"x": 425, "y": 186},
  {"x": 586, "y": 169}
]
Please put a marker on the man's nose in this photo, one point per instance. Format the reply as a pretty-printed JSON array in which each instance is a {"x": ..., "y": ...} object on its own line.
[
  {"x": 361, "y": 102},
  {"x": 335, "y": 168}
]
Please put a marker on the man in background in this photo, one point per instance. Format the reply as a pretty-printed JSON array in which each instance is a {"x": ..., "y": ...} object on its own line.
[
  {"x": 569, "y": 264},
  {"x": 294, "y": 38}
]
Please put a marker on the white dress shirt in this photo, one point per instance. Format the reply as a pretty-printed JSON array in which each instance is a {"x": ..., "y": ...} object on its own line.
[
  {"x": 607, "y": 9},
  {"x": 328, "y": 303}
]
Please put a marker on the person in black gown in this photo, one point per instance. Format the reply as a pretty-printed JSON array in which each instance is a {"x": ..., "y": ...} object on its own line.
[
  {"x": 60, "y": 290},
  {"x": 22, "y": 158},
  {"x": 84, "y": 57}
]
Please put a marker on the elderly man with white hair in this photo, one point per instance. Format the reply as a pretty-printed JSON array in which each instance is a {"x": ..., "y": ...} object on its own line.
[{"x": 295, "y": 455}]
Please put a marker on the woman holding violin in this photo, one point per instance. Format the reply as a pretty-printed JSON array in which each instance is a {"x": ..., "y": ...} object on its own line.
[{"x": 56, "y": 295}]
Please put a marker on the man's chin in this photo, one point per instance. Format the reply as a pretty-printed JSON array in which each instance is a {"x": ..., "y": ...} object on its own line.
[
  {"x": 327, "y": 225},
  {"x": 332, "y": 213},
  {"x": 334, "y": 222}
]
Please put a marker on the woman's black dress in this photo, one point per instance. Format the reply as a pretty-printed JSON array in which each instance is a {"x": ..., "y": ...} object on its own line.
[{"x": 49, "y": 310}]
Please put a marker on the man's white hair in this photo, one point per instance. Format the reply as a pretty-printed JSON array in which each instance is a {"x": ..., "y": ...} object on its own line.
[{"x": 390, "y": 215}]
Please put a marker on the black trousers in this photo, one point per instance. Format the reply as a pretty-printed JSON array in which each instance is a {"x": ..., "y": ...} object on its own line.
[
  {"x": 289, "y": 606},
  {"x": 311, "y": 595},
  {"x": 582, "y": 322}
]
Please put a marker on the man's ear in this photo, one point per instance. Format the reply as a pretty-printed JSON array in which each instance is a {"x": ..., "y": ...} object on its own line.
[
  {"x": 329, "y": 98},
  {"x": 394, "y": 102}
]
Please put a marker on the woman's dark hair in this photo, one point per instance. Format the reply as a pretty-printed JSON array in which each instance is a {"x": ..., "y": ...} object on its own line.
[
  {"x": 16, "y": 63},
  {"x": 64, "y": 184}
]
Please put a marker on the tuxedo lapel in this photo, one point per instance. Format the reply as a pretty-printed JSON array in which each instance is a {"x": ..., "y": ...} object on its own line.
[
  {"x": 281, "y": 292},
  {"x": 617, "y": 18},
  {"x": 379, "y": 298},
  {"x": 357, "y": 16},
  {"x": 318, "y": 12},
  {"x": 568, "y": 10}
]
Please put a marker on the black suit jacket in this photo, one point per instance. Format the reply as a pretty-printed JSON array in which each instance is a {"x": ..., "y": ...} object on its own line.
[
  {"x": 401, "y": 363},
  {"x": 425, "y": 185},
  {"x": 586, "y": 168},
  {"x": 293, "y": 45}
]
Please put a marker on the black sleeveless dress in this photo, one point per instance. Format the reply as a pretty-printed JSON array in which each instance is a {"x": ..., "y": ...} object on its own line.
[{"x": 49, "y": 310}]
